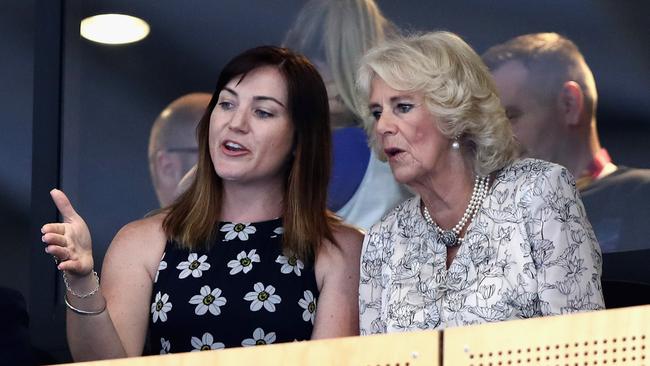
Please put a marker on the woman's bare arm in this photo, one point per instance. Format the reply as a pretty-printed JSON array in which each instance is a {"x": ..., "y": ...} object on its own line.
[
  {"x": 337, "y": 273},
  {"x": 125, "y": 291}
]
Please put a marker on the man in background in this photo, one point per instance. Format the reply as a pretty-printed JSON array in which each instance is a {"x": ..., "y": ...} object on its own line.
[
  {"x": 173, "y": 148},
  {"x": 15, "y": 346},
  {"x": 550, "y": 96}
]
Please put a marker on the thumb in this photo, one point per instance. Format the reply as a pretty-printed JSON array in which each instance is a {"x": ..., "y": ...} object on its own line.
[{"x": 63, "y": 204}]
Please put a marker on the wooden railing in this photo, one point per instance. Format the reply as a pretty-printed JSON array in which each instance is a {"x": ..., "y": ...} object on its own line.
[{"x": 616, "y": 337}]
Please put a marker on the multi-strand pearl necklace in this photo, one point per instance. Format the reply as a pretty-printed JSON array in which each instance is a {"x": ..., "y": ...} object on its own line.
[{"x": 451, "y": 238}]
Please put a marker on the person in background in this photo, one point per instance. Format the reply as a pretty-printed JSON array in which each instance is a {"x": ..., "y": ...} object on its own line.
[
  {"x": 488, "y": 237},
  {"x": 172, "y": 144},
  {"x": 248, "y": 254},
  {"x": 15, "y": 346},
  {"x": 334, "y": 34},
  {"x": 550, "y": 97}
]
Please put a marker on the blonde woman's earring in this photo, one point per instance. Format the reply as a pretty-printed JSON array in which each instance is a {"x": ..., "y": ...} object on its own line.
[{"x": 456, "y": 144}]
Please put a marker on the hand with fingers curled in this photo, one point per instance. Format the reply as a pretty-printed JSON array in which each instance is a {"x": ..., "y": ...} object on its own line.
[{"x": 69, "y": 241}]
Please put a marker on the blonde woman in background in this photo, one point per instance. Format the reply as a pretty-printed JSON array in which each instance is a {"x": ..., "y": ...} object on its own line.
[{"x": 335, "y": 34}]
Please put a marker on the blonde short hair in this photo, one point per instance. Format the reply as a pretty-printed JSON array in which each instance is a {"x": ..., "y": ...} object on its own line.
[{"x": 457, "y": 88}]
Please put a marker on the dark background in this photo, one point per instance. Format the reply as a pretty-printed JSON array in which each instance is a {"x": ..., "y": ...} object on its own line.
[{"x": 95, "y": 113}]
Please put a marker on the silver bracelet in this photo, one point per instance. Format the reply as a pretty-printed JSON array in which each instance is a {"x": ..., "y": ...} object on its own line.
[
  {"x": 76, "y": 294},
  {"x": 82, "y": 312}
]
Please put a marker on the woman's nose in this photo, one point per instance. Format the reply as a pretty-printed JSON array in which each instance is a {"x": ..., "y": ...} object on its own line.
[
  {"x": 238, "y": 121},
  {"x": 385, "y": 124}
]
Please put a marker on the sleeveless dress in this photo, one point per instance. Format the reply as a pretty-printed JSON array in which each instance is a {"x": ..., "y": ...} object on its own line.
[{"x": 243, "y": 291}]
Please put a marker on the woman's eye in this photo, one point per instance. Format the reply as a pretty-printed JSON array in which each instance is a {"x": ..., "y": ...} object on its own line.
[
  {"x": 263, "y": 114},
  {"x": 226, "y": 106},
  {"x": 376, "y": 115},
  {"x": 404, "y": 107}
]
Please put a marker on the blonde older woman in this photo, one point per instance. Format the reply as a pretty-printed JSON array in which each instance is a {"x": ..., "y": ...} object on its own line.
[{"x": 488, "y": 237}]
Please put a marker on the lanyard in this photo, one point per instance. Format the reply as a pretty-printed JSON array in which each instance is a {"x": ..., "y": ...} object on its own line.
[{"x": 595, "y": 168}]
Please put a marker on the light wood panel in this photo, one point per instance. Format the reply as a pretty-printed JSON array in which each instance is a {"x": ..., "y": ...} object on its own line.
[
  {"x": 617, "y": 337},
  {"x": 398, "y": 349}
]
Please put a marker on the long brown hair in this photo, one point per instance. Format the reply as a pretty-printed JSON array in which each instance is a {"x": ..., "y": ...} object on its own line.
[{"x": 193, "y": 218}]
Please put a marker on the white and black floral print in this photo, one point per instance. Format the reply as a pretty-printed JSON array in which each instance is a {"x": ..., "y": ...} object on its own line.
[
  {"x": 259, "y": 338},
  {"x": 290, "y": 264},
  {"x": 262, "y": 296},
  {"x": 206, "y": 343},
  {"x": 161, "y": 266},
  {"x": 160, "y": 307},
  {"x": 165, "y": 346},
  {"x": 208, "y": 300},
  {"x": 238, "y": 230},
  {"x": 244, "y": 262},
  {"x": 530, "y": 251},
  {"x": 308, "y": 302},
  {"x": 277, "y": 232},
  {"x": 234, "y": 289},
  {"x": 194, "y": 265}
]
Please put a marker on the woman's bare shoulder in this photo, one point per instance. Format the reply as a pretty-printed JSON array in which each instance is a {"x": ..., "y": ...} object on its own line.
[
  {"x": 141, "y": 240},
  {"x": 347, "y": 234},
  {"x": 149, "y": 227},
  {"x": 348, "y": 240}
]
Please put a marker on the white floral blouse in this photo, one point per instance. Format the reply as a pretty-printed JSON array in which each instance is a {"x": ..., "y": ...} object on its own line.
[{"x": 530, "y": 251}]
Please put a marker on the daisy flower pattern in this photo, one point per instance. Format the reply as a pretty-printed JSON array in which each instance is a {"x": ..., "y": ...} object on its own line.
[
  {"x": 208, "y": 300},
  {"x": 231, "y": 293},
  {"x": 277, "y": 232},
  {"x": 263, "y": 297},
  {"x": 164, "y": 346},
  {"x": 259, "y": 338},
  {"x": 194, "y": 266},
  {"x": 206, "y": 343},
  {"x": 309, "y": 304},
  {"x": 241, "y": 231},
  {"x": 160, "y": 307},
  {"x": 290, "y": 264},
  {"x": 161, "y": 266},
  {"x": 244, "y": 262}
]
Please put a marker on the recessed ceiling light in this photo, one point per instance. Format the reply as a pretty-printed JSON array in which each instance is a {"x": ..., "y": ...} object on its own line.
[{"x": 114, "y": 28}]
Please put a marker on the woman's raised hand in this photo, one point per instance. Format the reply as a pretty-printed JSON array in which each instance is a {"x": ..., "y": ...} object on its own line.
[{"x": 69, "y": 242}]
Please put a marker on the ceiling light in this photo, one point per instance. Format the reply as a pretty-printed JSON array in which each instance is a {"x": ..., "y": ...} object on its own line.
[{"x": 114, "y": 28}]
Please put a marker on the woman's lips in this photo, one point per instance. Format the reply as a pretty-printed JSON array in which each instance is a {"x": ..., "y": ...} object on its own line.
[
  {"x": 392, "y": 152},
  {"x": 233, "y": 148}
]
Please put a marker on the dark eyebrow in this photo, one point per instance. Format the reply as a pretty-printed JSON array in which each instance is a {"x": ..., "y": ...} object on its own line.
[
  {"x": 230, "y": 91},
  {"x": 256, "y": 98},
  {"x": 262, "y": 98}
]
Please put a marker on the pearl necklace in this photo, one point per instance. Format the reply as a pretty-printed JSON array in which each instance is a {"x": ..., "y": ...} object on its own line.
[{"x": 451, "y": 238}]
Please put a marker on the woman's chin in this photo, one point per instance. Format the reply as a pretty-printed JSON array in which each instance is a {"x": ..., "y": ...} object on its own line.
[{"x": 402, "y": 177}]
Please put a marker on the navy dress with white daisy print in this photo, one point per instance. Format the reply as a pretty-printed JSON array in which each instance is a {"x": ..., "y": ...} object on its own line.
[{"x": 242, "y": 292}]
